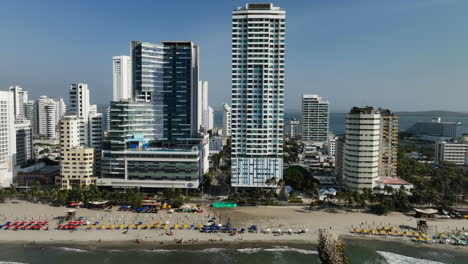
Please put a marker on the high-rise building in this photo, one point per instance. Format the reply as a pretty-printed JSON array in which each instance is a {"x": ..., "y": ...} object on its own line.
[
  {"x": 79, "y": 100},
  {"x": 121, "y": 78},
  {"x": 60, "y": 108},
  {"x": 331, "y": 144},
  {"x": 95, "y": 138},
  {"x": 166, "y": 75},
  {"x": 226, "y": 120},
  {"x": 203, "y": 86},
  {"x": 339, "y": 154},
  {"x": 388, "y": 143},
  {"x": 315, "y": 118},
  {"x": 69, "y": 132},
  {"x": 77, "y": 161},
  {"x": 134, "y": 157},
  {"x": 294, "y": 128},
  {"x": 24, "y": 141},
  {"x": 258, "y": 50},
  {"x": 46, "y": 116},
  {"x": 20, "y": 98},
  {"x": 210, "y": 118},
  {"x": 71, "y": 174},
  {"x": 7, "y": 139},
  {"x": 370, "y": 147}
]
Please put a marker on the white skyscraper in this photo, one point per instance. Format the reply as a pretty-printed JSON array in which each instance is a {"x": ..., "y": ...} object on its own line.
[
  {"x": 79, "y": 100},
  {"x": 122, "y": 78},
  {"x": 60, "y": 108},
  {"x": 315, "y": 118},
  {"x": 226, "y": 120},
  {"x": 203, "y": 86},
  {"x": 258, "y": 36},
  {"x": 46, "y": 114},
  {"x": 210, "y": 117},
  {"x": 20, "y": 98},
  {"x": 7, "y": 139}
]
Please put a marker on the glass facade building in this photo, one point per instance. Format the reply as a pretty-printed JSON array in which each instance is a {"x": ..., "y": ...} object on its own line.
[{"x": 166, "y": 75}]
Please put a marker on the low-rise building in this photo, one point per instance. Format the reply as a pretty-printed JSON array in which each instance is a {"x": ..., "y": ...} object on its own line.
[
  {"x": 76, "y": 167},
  {"x": 454, "y": 152},
  {"x": 216, "y": 145}
]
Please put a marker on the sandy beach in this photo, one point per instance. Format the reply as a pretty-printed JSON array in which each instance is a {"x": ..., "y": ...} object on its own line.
[{"x": 284, "y": 218}]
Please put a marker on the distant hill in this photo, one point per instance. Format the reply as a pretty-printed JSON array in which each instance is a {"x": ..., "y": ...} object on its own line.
[{"x": 433, "y": 113}]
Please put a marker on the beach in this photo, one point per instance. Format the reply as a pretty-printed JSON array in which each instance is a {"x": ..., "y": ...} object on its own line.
[{"x": 274, "y": 218}]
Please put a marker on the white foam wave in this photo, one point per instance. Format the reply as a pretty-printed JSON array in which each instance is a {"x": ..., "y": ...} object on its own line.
[
  {"x": 10, "y": 262},
  {"x": 213, "y": 250},
  {"x": 77, "y": 250},
  {"x": 288, "y": 249},
  {"x": 249, "y": 250},
  {"x": 393, "y": 258}
]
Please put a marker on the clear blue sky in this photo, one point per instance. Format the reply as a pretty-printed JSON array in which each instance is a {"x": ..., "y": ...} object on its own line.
[{"x": 400, "y": 54}]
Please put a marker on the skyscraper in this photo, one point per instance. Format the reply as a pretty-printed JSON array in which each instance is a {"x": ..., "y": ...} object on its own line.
[
  {"x": 46, "y": 116},
  {"x": 121, "y": 78},
  {"x": 20, "y": 98},
  {"x": 79, "y": 100},
  {"x": 203, "y": 86},
  {"x": 315, "y": 118},
  {"x": 370, "y": 149},
  {"x": 7, "y": 139},
  {"x": 210, "y": 118},
  {"x": 294, "y": 128},
  {"x": 166, "y": 75},
  {"x": 258, "y": 49},
  {"x": 24, "y": 141},
  {"x": 226, "y": 120}
]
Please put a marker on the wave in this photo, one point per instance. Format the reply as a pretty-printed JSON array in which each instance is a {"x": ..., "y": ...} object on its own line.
[
  {"x": 10, "y": 262},
  {"x": 288, "y": 249},
  {"x": 76, "y": 250},
  {"x": 213, "y": 250},
  {"x": 393, "y": 258},
  {"x": 277, "y": 249},
  {"x": 158, "y": 251}
]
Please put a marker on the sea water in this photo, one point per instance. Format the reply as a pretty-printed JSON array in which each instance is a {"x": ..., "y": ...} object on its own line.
[{"x": 357, "y": 251}]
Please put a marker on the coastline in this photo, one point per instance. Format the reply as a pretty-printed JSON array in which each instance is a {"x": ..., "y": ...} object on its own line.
[{"x": 295, "y": 218}]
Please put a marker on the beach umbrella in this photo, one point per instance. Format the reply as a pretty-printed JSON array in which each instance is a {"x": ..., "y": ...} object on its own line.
[
  {"x": 155, "y": 225},
  {"x": 220, "y": 225},
  {"x": 130, "y": 225},
  {"x": 415, "y": 234},
  {"x": 92, "y": 226},
  {"x": 121, "y": 226},
  {"x": 192, "y": 226},
  {"x": 147, "y": 226},
  {"x": 167, "y": 222},
  {"x": 165, "y": 226},
  {"x": 138, "y": 226},
  {"x": 184, "y": 226},
  {"x": 176, "y": 226},
  {"x": 422, "y": 234},
  {"x": 381, "y": 232},
  {"x": 111, "y": 226},
  {"x": 279, "y": 230},
  {"x": 393, "y": 228},
  {"x": 102, "y": 226},
  {"x": 372, "y": 232}
]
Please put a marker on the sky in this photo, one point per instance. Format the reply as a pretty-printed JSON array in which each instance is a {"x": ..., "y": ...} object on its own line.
[{"x": 405, "y": 55}]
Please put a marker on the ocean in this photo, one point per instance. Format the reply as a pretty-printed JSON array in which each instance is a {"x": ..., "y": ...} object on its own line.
[
  {"x": 357, "y": 251},
  {"x": 337, "y": 120}
]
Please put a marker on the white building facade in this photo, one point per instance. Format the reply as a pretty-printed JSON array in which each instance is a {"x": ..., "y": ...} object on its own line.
[
  {"x": 361, "y": 150},
  {"x": 454, "y": 152},
  {"x": 294, "y": 128},
  {"x": 203, "y": 86},
  {"x": 7, "y": 139},
  {"x": 226, "y": 120},
  {"x": 46, "y": 117},
  {"x": 315, "y": 118},
  {"x": 20, "y": 98},
  {"x": 121, "y": 78},
  {"x": 258, "y": 50}
]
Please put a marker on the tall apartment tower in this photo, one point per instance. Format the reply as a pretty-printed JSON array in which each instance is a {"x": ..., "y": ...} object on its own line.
[
  {"x": 294, "y": 128},
  {"x": 210, "y": 117},
  {"x": 226, "y": 120},
  {"x": 121, "y": 78},
  {"x": 7, "y": 139},
  {"x": 20, "y": 98},
  {"x": 166, "y": 75},
  {"x": 370, "y": 147},
  {"x": 258, "y": 50},
  {"x": 79, "y": 100},
  {"x": 46, "y": 114},
  {"x": 315, "y": 118},
  {"x": 388, "y": 143},
  {"x": 203, "y": 86},
  {"x": 24, "y": 141}
]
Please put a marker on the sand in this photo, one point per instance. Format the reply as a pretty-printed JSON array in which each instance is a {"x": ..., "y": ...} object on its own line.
[{"x": 295, "y": 218}]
